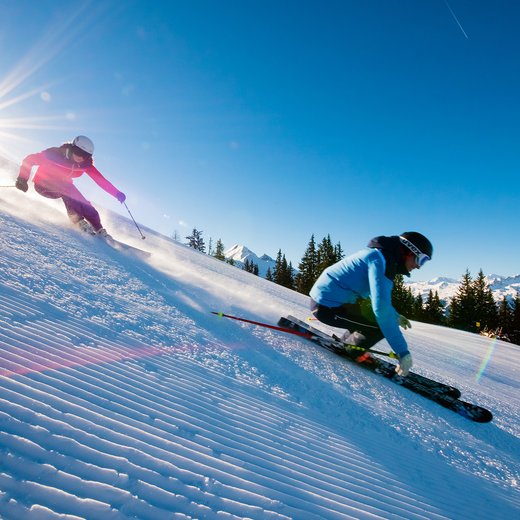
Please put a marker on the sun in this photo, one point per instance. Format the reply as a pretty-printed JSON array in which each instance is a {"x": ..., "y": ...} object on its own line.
[{"x": 22, "y": 118}]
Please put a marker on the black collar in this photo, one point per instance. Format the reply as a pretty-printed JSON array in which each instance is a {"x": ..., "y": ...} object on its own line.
[{"x": 391, "y": 249}]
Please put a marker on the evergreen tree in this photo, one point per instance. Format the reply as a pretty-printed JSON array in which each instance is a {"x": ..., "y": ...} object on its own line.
[
  {"x": 277, "y": 272},
  {"x": 514, "y": 333},
  {"x": 269, "y": 275},
  {"x": 326, "y": 255},
  {"x": 338, "y": 252},
  {"x": 250, "y": 267},
  {"x": 219, "y": 250},
  {"x": 417, "y": 309},
  {"x": 505, "y": 316},
  {"x": 196, "y": 241},
  {"x": 402, "y": 297},
  {"x": 289, "y": 278},
  {"x": 462, "y": 307},
  {"x": 307, "y": 269},
  {"x": 433, "y": 309},
  {"x": 314, "y": 261},
  {"x": 485, "y": 306},
  {"x": 283, "y": 272}
]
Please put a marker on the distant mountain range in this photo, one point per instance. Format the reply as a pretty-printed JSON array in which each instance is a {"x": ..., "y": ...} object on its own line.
[
  {"x": 446, "y": 287},
  {"x": 501, "y": 286}
]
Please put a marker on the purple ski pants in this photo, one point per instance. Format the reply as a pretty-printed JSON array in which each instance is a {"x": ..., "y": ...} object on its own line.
[{"x": 76, "y": 204}]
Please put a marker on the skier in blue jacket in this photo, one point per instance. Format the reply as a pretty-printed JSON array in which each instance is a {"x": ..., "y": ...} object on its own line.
[{"x": 356, "y": 293}]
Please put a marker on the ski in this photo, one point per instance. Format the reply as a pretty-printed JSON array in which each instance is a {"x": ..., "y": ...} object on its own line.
[
  {"x": 125, "y": 248},
  {"x": 445, "y": 395},
  {"x": 335, "y": 345},
  {"x": 115, "y": 244}
]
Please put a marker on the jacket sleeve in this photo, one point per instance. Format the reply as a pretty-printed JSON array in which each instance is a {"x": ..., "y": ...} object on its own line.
[
  {"x": 28, "y": 163},
  {"x": 103, "y": 183},
  {"x": 386, "y": 315}
]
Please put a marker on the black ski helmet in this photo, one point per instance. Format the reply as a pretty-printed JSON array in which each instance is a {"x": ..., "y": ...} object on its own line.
[{"x": 418, "y": 241}]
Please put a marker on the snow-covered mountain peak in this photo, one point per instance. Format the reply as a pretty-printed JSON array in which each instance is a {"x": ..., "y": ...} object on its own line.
[
  {"x": 494, "y": 277},
  {"x": 240, "y": 253},
  {"x": 442, "y": 279}
]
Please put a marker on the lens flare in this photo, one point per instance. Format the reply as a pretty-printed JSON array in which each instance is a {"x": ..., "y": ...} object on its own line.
[{"x": 486, "y": 360}]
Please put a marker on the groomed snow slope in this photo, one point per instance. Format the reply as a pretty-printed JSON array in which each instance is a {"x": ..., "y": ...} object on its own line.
[{"x": 122, "y": 396}]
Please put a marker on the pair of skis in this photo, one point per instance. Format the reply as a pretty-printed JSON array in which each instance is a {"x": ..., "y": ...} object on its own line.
[
  {"x": 446, "y": 395},
  {"x": 441, "y": 393}
]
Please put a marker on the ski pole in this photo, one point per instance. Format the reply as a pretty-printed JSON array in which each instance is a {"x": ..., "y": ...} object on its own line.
[
  {"x": 13, "y": 186},
  {"x": 266, "y": 325},
  {"x": 391, "y": 355},
  {"x": 132, "y": 217},
  {"x": 308, "y": 335}
]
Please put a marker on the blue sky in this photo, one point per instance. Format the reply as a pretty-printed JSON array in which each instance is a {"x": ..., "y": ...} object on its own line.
[{"x": 264, "y": 122}]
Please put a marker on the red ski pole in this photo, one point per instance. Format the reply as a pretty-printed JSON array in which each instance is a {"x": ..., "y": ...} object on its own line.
[
  {"x": 266, "y": 325},
  {"x": 308, "y": 335}
]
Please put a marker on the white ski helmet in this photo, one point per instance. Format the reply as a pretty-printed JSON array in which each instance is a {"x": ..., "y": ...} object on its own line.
[{"x": 84, "y": 143}]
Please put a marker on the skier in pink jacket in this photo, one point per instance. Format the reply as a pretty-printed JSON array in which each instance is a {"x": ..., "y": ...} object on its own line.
[{"x": 56, "y": 169}]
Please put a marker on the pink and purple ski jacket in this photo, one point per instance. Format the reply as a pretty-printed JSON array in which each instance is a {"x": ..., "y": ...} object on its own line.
[{"x": 56, "y": 167}]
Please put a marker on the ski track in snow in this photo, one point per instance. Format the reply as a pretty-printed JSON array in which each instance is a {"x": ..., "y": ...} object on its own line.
[{"x": 121, "y": 396}]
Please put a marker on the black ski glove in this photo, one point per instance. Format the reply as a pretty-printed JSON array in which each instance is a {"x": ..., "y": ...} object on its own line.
[{"x": 22, "y": 184}]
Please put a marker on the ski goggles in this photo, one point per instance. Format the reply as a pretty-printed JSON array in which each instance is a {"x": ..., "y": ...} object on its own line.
[
  {"x": 76, "y": 150},
  {"x": 420, "y": 257}
]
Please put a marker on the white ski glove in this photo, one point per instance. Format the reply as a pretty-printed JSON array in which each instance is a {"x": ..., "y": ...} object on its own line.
[
  {"x": 404, "y": 322},
  {"x": 405, "y": 363}
]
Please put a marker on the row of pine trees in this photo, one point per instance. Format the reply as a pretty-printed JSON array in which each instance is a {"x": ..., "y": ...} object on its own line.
[
  {"x": 316, "y": 258},
  {"x": 472, "y": 308}
]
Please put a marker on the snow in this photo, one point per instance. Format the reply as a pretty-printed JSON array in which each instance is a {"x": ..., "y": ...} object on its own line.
[{"x": 122, "y": 396}]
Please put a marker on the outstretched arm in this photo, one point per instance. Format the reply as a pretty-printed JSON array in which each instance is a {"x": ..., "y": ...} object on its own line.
[
  {"x": 386, "y": 316},
  {"x": 25, "y": 170},
  {"x": 103, "y": 183}
]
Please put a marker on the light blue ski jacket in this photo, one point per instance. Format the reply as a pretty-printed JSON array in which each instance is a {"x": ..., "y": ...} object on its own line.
[{"x": 362, "y": 275}]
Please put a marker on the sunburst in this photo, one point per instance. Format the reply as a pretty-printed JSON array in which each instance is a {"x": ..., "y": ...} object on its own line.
[
  {"x": 13, "y": 130},
  {"x": 16, "y": 127}
]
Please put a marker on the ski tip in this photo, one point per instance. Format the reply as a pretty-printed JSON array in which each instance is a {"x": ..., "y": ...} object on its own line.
[
  {"x": 476, "y": 413},
  {"x": 485, "y": 417}
]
